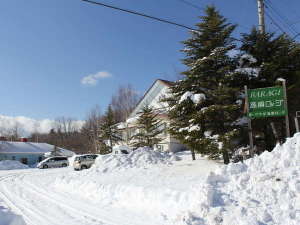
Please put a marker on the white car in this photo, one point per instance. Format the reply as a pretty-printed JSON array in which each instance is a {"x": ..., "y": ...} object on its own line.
[
  {"x": 82, "y": 162},
  {"x": 53, "y": 162}
]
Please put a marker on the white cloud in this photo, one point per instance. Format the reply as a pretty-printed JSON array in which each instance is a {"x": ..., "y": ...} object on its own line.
[
  {"x": 27, "y": 125},
  {"x": 92, "y": 79}
]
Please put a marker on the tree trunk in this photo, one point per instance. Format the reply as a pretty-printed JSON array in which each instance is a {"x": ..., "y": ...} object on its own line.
[
  {"x": 193, "y": 154},
  {"x": 225, "y": 156},
  {"x": 275, "y": 133}
]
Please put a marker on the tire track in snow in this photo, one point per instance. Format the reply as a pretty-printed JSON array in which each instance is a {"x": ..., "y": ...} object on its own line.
[
  {"x": 20, "y": 206},
  {"x": 86, "y": 209},
  {"x": 35, "y": 211},
  {"x": 35, "y": 203}
]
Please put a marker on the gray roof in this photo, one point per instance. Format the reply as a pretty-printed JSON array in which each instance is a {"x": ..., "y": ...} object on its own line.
[{"x": 25, "y": 147}]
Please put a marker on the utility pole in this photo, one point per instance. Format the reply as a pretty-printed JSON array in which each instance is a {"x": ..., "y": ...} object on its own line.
[{"x": 261, "y": 16}]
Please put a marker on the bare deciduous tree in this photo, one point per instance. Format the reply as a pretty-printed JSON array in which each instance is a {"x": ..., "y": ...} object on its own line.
[
  {"x": 90, "y": 130},
  {"x": 123, "y": 102}
]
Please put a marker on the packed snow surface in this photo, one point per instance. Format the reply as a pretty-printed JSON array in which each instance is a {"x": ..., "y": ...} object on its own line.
[{"x": 12, "y": 165}]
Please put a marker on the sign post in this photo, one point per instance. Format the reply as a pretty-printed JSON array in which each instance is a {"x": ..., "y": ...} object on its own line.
[
  {"x": 297, "y": 122},
  {"x": 287, "y": 122},
  {"x": 249, "y": 123}
]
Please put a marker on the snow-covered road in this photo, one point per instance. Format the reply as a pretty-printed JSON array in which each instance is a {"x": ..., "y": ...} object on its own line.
[{"x": 29, "y": 193}]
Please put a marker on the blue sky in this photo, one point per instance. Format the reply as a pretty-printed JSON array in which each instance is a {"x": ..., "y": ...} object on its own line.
[{"x": 48, "y": 47}]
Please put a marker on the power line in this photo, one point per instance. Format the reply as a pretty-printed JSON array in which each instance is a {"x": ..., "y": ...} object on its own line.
[
  {"x": 284, "y": 19},
  {"x": 191, "y": 4},
  {"x": 274, "y": 22},
  {"x": 139, "y": 14},
  {"x": 295, "y": 22}
]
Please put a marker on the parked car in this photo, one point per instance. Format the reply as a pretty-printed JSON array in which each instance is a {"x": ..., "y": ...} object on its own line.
[
  {"x": 53, "y": 162},
  {"x": 82, "y": 162}
]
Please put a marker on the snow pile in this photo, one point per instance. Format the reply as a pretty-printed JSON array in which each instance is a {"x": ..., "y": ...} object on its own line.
[
  {"x": 8, "y": 218},
  {"x": 12, "y": 165},
  {"x": 263, "y": 190},
  {"x": 141, "y": 158}
]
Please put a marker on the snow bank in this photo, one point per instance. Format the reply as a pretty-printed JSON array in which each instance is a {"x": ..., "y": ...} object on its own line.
[
  {"x": 263, "y": 190},
  {"x": 12, "y": 165},
  {"x": 8, "y": 218},
  {"x": 141, "y": 158}
]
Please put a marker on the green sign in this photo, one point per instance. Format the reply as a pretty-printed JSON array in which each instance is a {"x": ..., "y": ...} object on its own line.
[{"x": 266, "y": 102}]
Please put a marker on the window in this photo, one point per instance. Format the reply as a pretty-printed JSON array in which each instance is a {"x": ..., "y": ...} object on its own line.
[
  {"x": 124, "y": 151},
  {"x": 13, "y": 158},
  {"x": 61, "y": 159},
  {"x": 89, "y": 157}
]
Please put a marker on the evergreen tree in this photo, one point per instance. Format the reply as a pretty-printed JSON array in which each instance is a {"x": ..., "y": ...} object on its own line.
[
  {"x": 148, "y": 127},
  {"x": 264, "y": 58},
  {"x": 108, "y": 132},
  {"x": 204, "y": 106}
]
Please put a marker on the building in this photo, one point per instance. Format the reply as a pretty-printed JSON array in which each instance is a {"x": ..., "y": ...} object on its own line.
[
  {"x": 28, "y": 153},
  {"x": 152, "y": 98}
]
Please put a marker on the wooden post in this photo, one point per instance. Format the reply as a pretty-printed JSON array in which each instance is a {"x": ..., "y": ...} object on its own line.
[
  {"x": 297, "y": 125},
  {"x": 287, "y": 122},
  {"x": 249, "y": 123},
  {"x": 275, "y": 132}
]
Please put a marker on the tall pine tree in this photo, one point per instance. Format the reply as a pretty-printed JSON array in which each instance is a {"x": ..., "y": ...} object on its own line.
[
  {"x": 148, "y": 129},
  {"x": 108, "y": 131},
  {"x": 204, "y": 106}
]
